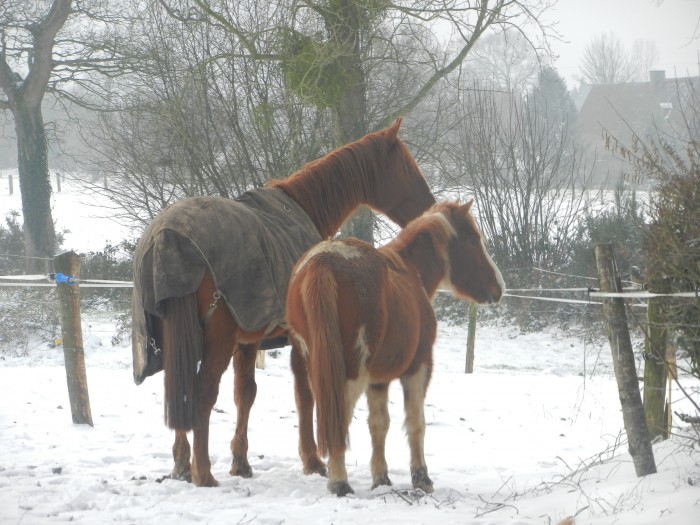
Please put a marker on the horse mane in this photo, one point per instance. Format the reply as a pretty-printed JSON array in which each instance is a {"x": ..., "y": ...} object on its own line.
[
  {"x": 423, "y": 245},
  {"x": 433, "y": 222},
  {"x": 324, "y": 184}
]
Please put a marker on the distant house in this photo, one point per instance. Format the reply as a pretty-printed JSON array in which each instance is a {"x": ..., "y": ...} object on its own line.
[{"x": 645, "y": 108}]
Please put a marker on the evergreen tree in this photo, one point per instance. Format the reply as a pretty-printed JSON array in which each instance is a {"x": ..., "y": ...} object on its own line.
[{"x": 552, "y": 100}]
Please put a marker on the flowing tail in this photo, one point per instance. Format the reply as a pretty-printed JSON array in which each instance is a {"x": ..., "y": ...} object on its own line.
[
  {"x": 326, "y": 361},
  {"x": 183, "y": 343}
]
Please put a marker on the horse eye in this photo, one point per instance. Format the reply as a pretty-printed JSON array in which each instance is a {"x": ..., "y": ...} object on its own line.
[{"x": 474, "y": 241}]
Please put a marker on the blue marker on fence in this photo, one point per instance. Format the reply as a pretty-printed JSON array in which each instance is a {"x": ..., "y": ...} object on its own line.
[{"x": 66, "y": 279}]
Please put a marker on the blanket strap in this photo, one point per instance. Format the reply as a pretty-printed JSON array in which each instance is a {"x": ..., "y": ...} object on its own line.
[{"x": 212, "y": 307}]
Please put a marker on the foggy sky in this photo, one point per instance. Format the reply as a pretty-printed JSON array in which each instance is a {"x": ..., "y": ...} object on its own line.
[{"x": 672, "y": 24}]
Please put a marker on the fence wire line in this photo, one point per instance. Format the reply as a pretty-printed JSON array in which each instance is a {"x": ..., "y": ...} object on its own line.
[{"x": 29, "y": 281}]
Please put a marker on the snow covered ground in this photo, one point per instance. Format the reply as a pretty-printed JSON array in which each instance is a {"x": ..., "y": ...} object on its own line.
[
  {"x": 532, "y": 437},
  {"x": 527, "y": 439},
  {"x": 87, "y": 226}
]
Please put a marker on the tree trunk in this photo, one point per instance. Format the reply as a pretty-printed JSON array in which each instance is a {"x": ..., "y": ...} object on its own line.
[
  {"x": 35, "y": 187},
  {"x": 350, "y": 111}
]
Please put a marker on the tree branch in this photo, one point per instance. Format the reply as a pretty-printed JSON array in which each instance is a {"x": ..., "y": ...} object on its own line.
[
  {"x": 247, "y": 44},
  {"x": 43, "y": 35},
  {"x": 484, "y": 20}
]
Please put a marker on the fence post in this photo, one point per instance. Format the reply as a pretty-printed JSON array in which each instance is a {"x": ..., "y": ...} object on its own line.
[
  {"x": 10, "y": 184},
  {"x": 69, "y": 302},
  {"x": 471, "y": 337},
  {"x": 623, "y": 363},
  {"x": 655, "y": 370}
]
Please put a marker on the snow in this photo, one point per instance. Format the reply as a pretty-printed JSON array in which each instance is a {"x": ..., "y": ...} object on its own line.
[
  {"x": 86, "y": 225},
  {"x": 533, "y": 436}
]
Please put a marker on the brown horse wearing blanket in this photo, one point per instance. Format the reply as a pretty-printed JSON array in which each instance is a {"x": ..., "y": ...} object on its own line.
[
  {"x": 362, "y": 317},
  {"x": 211, "y": 276}
]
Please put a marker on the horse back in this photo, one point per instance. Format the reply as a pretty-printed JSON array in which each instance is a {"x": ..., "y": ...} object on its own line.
[{"x": 385, "y": 318}]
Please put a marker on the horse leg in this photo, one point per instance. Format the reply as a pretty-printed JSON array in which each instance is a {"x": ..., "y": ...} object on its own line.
[
  {"x": 218, "y": 342},
  {"x": 308, "y": 451},
  {"x": 377, "y": 402},
  {"x": 214, "y": 366},
  {"x": 244, "y": 391},
  {"x": 337, "y": 474},
  {"x": 181, "y": 455},
  {"x": 414, "y": 387}
]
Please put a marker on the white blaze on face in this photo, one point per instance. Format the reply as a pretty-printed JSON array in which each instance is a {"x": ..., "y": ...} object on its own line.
[{"x": 496, "y": 271}]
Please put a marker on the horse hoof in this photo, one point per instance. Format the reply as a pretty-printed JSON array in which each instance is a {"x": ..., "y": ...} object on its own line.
[
  {"x": 241, "y": 469},
  {"x": 180, "y": 475},
  {"x": 315, "y": 466},
  {"x": 340, "y": 488},
  {"x": 206, "y": 481},
  {"x": 420, "y": 480},
  {"x": 381, "y": 479}
]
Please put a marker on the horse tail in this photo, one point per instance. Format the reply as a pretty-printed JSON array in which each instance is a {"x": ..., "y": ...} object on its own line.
[
  {"x": 326, "y": 361},
  {"x": 183, "y": 344}
]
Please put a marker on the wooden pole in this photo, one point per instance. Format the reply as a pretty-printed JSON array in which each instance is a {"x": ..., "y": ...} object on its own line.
[
  {"x": 10, "y": 184},
  {"x": 623, "y": 363},
  {"x": 69, "y": 300},
  {"x": 655, "y": 369},
  {"x": 471, "y": 338}
]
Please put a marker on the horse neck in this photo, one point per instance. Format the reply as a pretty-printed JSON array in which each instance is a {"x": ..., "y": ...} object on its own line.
[
  {"x": 329, "y": 190},
  {"x": 420, "y": 255}
]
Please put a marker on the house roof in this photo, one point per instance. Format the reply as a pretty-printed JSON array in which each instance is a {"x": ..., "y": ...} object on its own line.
[{"x": 641, "y": 106}]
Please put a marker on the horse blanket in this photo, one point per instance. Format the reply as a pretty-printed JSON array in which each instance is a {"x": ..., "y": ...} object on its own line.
[{"x": 248, "y": 245}]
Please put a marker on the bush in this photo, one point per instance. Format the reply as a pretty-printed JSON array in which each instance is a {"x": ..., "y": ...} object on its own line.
[
  {"x": 671, "y": 159},
  {"x": 112, "y": 263},
  {"x": 11, "y": 245},
  {"x": 623, "y": 225},
  {"x": 32, "y": 313},
  {"x": 673, "y": 243},
  {"x": 24, "y": 312}
]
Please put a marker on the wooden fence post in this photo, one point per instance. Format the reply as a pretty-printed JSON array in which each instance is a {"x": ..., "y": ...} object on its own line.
[
  {"x": 471, "y": 337},
  {"x": 655, "y": 370},
  {"x": 69, "y": 300},
  {"x": 623, "y": 363}
]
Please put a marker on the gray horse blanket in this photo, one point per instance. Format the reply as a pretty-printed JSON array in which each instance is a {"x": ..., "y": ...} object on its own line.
[{"x": 248, "y": 245}]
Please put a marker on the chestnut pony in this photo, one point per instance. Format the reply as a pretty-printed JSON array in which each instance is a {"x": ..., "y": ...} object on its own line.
[
  {"x": 378, "y": 171},
  {"x": 362, "y": 317}
]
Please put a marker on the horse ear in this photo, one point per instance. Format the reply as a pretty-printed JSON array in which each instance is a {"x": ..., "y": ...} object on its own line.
[
  {"x": 393, "y": 130},
  {"x": 468, "y": 206}
]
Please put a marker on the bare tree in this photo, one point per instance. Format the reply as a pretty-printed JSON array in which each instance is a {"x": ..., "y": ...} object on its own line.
[
  {"x": 606, "y": 61},
  {"x": 194, "y": 119},
  {"x": 49, "y": 46},
  {"x": 643, "y": 55},
  {"x": 331, "y": 51},
  {"x": 529, "y": 182},
  {"x": 24, "y": 95},
  {"x": 506, "y": 61}
]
